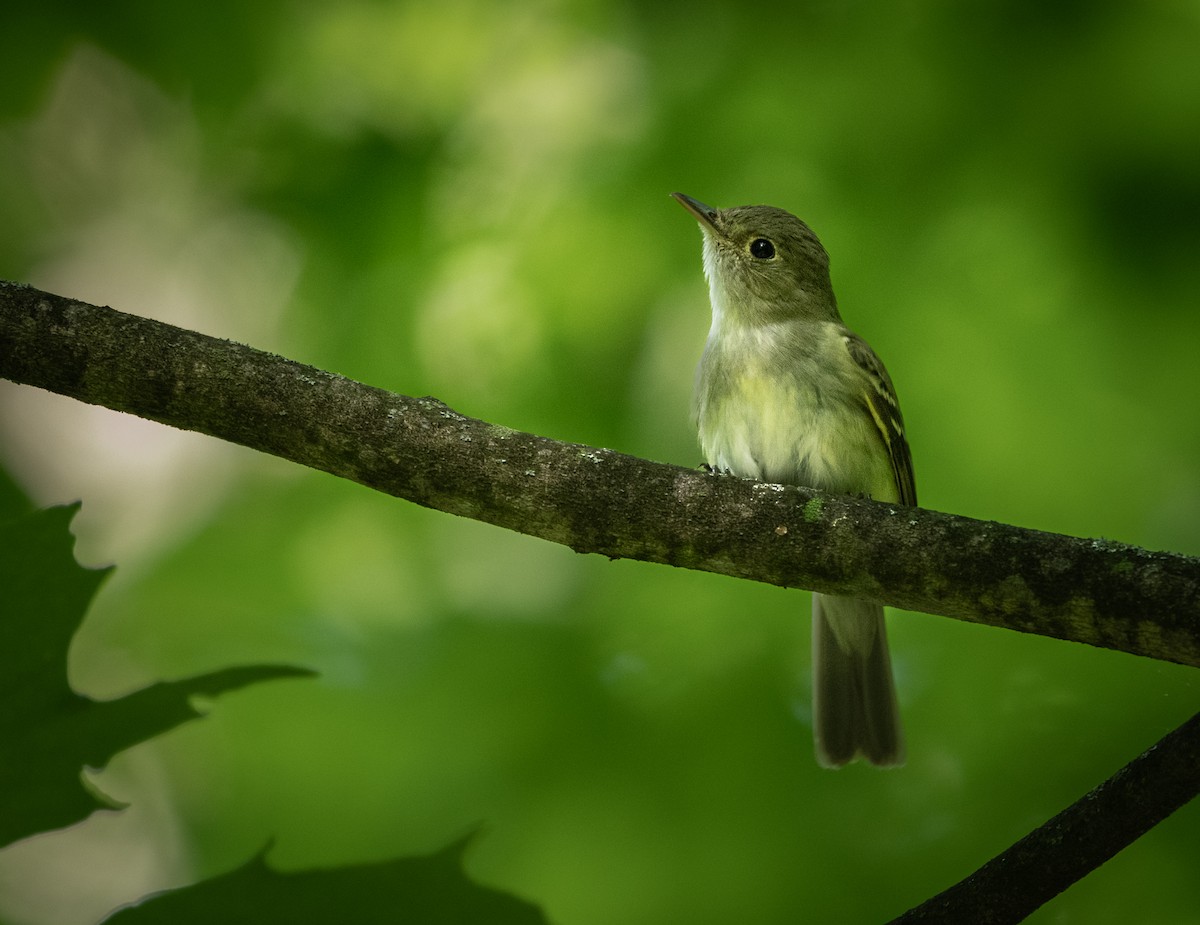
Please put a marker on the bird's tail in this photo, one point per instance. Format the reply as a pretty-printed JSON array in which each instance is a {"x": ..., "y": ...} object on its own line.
[{"x": 854, "y": 696}]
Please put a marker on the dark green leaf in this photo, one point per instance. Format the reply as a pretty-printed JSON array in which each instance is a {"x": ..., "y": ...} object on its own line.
[
  {"x": 431, "y": 890},
  {"x": 48, "y": 731}
]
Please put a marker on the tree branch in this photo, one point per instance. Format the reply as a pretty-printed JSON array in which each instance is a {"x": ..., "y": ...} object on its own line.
[
  {"x": 1076, "y": 841},
  {"x": 596, "y": 500}
]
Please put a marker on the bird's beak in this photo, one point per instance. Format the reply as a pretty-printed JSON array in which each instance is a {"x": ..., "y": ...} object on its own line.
[{"x": 705, "y": 215}]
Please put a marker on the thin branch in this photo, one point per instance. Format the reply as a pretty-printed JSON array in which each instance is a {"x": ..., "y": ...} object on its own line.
[
  {"x": 1076, "y": 841},
  {"x": 599, "y": 501}
]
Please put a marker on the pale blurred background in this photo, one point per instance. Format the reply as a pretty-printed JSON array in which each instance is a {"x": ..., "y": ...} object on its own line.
[{"x": 470, "y": 200}]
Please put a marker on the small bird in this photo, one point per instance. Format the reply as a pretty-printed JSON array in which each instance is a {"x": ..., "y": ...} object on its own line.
[{"x": 786, "y": 393}]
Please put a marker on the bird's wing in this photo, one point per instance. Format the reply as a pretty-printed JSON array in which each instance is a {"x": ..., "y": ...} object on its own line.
[{"x": 879, "y": 400}]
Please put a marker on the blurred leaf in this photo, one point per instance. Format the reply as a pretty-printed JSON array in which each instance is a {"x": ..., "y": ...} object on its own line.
[
  {"x": 426, "y": 890},
  {"x": 13, "y": 501},
  {"x": 49, "y": 731}
]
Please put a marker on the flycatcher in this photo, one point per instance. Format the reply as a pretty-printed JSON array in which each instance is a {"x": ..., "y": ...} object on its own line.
[{"x": 786, "y": 393}]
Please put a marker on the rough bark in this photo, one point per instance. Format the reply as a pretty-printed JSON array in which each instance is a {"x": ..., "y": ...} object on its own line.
[{"x": 599, "y": 501}]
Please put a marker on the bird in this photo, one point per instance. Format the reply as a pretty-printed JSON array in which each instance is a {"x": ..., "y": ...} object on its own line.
[{"x": 786, "y": 393}]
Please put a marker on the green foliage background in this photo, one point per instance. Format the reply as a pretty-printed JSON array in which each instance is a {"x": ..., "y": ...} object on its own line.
[{"x": 469, "y": 199}]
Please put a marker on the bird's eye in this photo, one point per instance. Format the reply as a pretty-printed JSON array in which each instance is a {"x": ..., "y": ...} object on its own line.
[{"x": 762, "y": 248}]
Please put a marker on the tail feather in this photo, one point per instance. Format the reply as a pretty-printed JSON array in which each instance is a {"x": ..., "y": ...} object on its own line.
[{"x": 854, "y": 697}]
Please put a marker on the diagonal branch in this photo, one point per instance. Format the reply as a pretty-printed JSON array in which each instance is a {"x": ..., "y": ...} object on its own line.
[
  {"x": 1075, "y": 842},
  {"x": 599, "y": 501}
]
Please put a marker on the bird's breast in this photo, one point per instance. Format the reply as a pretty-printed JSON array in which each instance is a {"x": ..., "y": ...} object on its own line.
[{"x": 794, "y": 422}]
